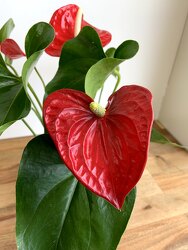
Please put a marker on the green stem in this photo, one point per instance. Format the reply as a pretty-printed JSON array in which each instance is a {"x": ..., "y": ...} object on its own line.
[
  {"x": 100, "y": 95},
  {"x": 27, "y": 125},
  {"x": 39, "y": 75},
  {"x": 35, "y": 96},
  {"x": 37, "y": 113},
  {"x": 117, "y": 74},
  {"x": 12, "y": 68}
]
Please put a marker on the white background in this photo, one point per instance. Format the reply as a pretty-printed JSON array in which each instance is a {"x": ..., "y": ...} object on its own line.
[{"x": 156, "y": 24}]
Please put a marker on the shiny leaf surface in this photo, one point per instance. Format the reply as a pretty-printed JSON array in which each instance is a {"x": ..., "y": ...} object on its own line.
[
  {"x": 107, "y": 154},
  {"x": 52, "y": 204},
  {"x": 6, "y": 30},
  {"x": 77, "y": 56},
  {"x": 14, "y": 103},
  {"x": 38, "y": 38},
  {"x": 63, "y": 21},
  {"x": 158, "y": 137}
]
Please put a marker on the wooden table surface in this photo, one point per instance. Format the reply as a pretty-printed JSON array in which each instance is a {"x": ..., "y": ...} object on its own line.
[{"x": 160, "y": 217}]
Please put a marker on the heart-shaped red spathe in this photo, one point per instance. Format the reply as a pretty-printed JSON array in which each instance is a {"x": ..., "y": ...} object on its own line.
[{"x": 106, "y": 154}]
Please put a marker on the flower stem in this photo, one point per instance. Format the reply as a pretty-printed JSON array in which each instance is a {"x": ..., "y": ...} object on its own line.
[
  {"x": 117, "y": 74},
  {"x": 37, "y": 113},
  {"x": 12, "y": 68},
  {"x": 35, "y": 96},
  {"x": 27, "y": 125},
  {"x": 100, "y": 95},
  {"x": 39, "y": 75}
]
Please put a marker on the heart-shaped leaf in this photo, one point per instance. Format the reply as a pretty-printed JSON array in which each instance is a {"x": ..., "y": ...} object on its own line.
[
  {"x": 105, "y": 150},
  {"x": 14, "y": 103},
  {"x": 54, "y": 211},
  {"x": 38, "y": 38},
  {"x": 6, "y": 30},
  {"x": 77, "y": 56},
  {"x": 99, "y": 72}
]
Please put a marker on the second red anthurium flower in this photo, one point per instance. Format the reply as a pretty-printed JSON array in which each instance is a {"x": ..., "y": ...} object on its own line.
[
  {"x": 11, "y": 49},
  {"x": 63, "y": 21},
  {"x": 106, "y": 149}
]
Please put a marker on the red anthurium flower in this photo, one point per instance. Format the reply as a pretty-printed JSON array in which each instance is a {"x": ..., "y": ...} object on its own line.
[
  {"x": 106, "y": 149},
  {"x": 11, "y": 49},
  {"x": 63, "y": 21}
]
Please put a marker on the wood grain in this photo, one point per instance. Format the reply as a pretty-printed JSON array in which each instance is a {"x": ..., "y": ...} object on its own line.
[{"x": 160, "y": 217}]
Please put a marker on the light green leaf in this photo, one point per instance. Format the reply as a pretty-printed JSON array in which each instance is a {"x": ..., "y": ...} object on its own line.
[
  {"x": 29, "y": 65},
  {"x": 6, "y": 30},
  {"x": 99, "y": 72}
]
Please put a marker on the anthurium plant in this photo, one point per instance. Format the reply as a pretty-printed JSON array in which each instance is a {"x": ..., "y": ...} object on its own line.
[{"x": 76, "y": 184}]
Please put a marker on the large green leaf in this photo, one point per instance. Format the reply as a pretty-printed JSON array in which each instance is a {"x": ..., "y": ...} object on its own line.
[
  {"x": 6, "y": 29},
  {"x": 38, "y": 38},
  {"x": 77, "y": 56},
  {"x": 54, "y": 211},
  {"x": 14, "y": 103},
  {"x": 99, "y": 72}
]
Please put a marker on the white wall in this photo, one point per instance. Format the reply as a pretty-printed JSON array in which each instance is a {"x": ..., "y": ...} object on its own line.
[
  {"x": 174, "y": 111},
  {"x": 156, "y": 24}
]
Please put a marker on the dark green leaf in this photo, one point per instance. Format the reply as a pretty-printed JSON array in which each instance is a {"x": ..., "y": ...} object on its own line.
[
  {"x": 156, "y": 136},
  {"x": 54, "y": 211},
  {"x": 127, "y": 49},
  {"x": 14, "y": 103},
  {"x": 6, "y": 29},
  {"x": 77, "y": 56},
  {"x": 38, "y": 38}
]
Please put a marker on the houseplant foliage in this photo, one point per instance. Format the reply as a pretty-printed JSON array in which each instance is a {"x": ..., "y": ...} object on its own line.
[{"x": 76, "y": 182}]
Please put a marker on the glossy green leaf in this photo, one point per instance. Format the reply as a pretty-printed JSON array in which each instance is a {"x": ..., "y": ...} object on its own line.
[
  {"x": 14, "y": 103},
  {"x": 6, "y": 29},
  {"x": 38, "y": 38},
  {"x": 127, "y": 49},
  {"x": 77, "y": 56},
  {"x": 29, "y": 66},
  {"x": 156, "y": 136},
  {"x": 54, "y": 211}
]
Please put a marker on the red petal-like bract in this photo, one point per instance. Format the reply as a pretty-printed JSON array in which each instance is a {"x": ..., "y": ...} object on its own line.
[
  {"x": 11, "y": 49},
  {"x": 63, "y": 22},
  {"x": 107, "y": 154}
]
